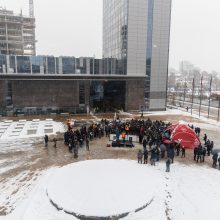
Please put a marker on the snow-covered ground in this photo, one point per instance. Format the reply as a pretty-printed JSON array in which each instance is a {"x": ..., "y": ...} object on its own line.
[
  {"x": 22, "y": 134},
  {"x": 27, "y": 129},
  {"x": 187, "y": 192}
]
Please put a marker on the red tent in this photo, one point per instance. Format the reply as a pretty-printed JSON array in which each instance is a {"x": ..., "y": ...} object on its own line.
[
  {"x": 186, "y": 136},
  {"x": 171, "y": 127}
]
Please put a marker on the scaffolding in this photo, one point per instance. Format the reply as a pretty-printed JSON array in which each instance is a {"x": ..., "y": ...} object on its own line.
[{"x": 17, "y": 33}]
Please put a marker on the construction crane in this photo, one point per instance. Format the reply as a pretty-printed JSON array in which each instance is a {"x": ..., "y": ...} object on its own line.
[{"x": 31, "y": 8}]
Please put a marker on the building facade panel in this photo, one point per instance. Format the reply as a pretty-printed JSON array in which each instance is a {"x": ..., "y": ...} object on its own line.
[
  {"x": 160, "y": 53},
  {"x": 134, "y": 94},
  {"x": 137, "y": 35}
]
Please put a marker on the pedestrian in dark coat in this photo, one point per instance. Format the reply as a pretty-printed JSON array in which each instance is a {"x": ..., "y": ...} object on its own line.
[
  {"x": 153, "y": 156},
  {"x": 183, "y": 150},
  {"x": 46, "y": 139},
  {"x": 195, "y": 152},
  {"x": 144, "y": 144},
  {"x": 205, "y": 138},
  {"x": 177, "y": 149},
  {"x": 140, "y": 156},
  {"x": 145, "y": 156},
  {"x": 168, "y": 162},
  {"x": 171, "y": 153},
  {"x": 219, "y": 163},
  {"x": 199, "y": 154},
  {"x": 214, "y": 158},
  {"x": 203, "y": 154},
  {"x": 87, "y": 144},
  {"x": 211, "y": 145},
  {"x": 198, "y": 131}
]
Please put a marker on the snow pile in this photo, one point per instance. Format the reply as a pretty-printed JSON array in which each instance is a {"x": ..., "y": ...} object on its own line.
[{"x": 103, "y": 187}]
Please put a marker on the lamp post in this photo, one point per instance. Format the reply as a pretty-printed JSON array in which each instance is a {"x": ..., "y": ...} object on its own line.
[
  {"x": 218, "y": 107},
  {"x": 210, "y": 93},
  {"x": 200, "y": 103},
  {"x": 193, "y": 86},
  {"x": 184, "y": 95}
]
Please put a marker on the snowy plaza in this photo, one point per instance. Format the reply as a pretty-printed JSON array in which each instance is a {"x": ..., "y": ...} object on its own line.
[{"x": 103, "y": 183}]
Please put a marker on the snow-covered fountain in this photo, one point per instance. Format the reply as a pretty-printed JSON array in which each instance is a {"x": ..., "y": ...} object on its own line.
[{"x": 102, "y": 189}]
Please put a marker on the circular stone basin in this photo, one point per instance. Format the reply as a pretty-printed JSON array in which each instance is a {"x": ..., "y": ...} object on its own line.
[{"x": 103, "y": 188}]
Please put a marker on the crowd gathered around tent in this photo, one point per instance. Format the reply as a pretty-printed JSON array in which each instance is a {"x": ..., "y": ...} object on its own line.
[{"x": 160, "y": 140}]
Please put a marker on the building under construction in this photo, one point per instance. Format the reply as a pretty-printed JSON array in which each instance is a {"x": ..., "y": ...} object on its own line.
[{"x": 17, "y": 33}]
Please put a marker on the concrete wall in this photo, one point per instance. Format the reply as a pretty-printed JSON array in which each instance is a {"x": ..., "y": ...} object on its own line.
[
  {"x": 45, "y": 93},
  {"x": 64, "y": 94},
  {"x": 134, "y": 94}
]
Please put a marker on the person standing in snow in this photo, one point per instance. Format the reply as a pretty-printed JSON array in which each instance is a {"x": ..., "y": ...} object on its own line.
[
  {"x": 87, "y": 143},
  {"x": 46, "y": 139},
  {"x": 183, "y": 150},
  {"x": 145, "y": 156},
  {"x": 205, "y": 138},
  {"x": 199, "y": 154},
  {"x": 203, "y": 154},
  {"x": 140, "y": 156},
  {"x": 219, "y": 163},
  {"x": 153, "y": 156},
  {"x": 168, "y": 162},
  {"x": 214, "y": 158},
  {"x": 144, "y": 144},
  {"x": 195, "y": 152}
]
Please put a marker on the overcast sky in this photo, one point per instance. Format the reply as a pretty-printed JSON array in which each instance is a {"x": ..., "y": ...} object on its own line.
[{"x": 74, "y": 27}]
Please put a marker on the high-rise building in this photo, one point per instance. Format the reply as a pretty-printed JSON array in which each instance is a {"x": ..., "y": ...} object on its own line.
[
  {"x": 17, "y": 33},
  {"x": 136, "y": 37}
]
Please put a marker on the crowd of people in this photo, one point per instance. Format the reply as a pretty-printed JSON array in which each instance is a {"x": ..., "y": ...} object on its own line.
[{"x": 150, "y": 135}]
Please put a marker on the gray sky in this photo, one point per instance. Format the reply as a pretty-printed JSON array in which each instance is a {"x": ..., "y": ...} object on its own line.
[{"x": 74, "y": 27}]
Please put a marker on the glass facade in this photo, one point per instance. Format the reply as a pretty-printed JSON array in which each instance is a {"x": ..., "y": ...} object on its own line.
[
  {"x": 2, "y": 64},
  {"x": 68, "y": 65},
  {"x": 149, "y": 36},
  {"x": 107, "y": 95},
  {"x": 23, "y": 64},
  {"x": 149, "y": 52},
  {"x": 38, "y": 64},
  {"x": 136, "y": 43},
  {"x": 115, "y": 29},
  {"x": 50, "y": 65},
  {"x": 12, "y": 65}
]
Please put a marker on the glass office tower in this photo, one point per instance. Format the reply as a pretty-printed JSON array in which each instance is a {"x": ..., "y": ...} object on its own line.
[{"x": 136, "y": 37}]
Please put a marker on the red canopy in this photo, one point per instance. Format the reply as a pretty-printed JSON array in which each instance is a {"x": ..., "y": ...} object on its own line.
[
  {"x": 171, "y": 127},
  {"x": 186, "y": 136}
]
